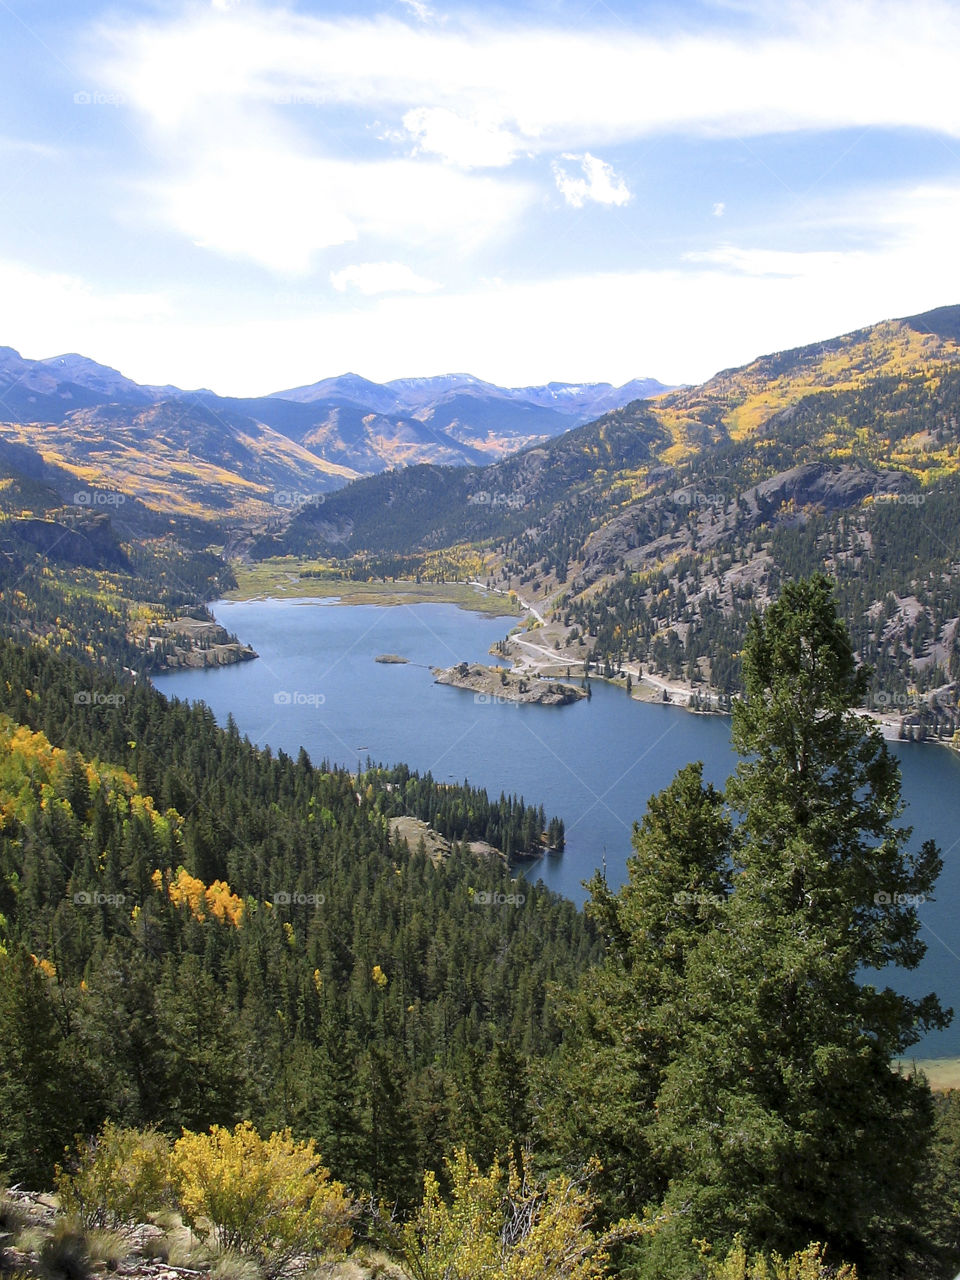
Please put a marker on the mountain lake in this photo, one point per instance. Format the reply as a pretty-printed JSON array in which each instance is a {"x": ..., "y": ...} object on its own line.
[{"x": 594, "y": 763}]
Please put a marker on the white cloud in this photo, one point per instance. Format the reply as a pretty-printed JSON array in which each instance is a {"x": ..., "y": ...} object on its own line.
[
  {"x": 599, "y": 183},
  {"x": 45, "y": 299},
  {"x": 471, "y": 142},
  {"x": 723, "y": 308},
  {"x": 372, "y": 278},
  {"x": 280, "y": 221},
  {"x": 782, "y": 264},
  {"x": 240, "y": 167},
  {"x": 719, "y": 209},
  {"x": 23, "y": 147},
  {"x": 280, "y": 210},
  {"x": 905, "y": 230},
  {"x": 805, "y": 67},
  {"x": 239, "y": 173},
  {"x": 55, "y": 311}
]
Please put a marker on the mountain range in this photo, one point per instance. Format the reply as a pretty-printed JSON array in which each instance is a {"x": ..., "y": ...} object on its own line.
[
  {"x": 297, "y": 443},
  {"x": 648, "y": 535},
  {"x": 879, "y": 395}
]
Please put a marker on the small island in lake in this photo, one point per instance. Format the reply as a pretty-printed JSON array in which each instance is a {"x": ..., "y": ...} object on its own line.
[
  {"x": 497, "y": 684},
  {"x": 390, "y": 657}
]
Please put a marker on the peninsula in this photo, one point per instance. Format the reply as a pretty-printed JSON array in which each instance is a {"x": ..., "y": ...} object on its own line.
[{"x": 497, "y": 684}]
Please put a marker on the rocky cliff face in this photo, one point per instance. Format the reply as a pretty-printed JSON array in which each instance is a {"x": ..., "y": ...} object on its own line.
[{"x": 701, "y": 520}]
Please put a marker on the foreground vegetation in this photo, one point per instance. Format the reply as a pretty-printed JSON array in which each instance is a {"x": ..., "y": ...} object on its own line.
[{"x": 236, "y": 1205}]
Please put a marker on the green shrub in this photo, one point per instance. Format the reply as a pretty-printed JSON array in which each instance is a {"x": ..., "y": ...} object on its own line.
[{"x": 116, "y": 1179}]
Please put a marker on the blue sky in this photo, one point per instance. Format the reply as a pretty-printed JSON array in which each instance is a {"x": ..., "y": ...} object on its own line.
[{"x": 248, "y": 196}]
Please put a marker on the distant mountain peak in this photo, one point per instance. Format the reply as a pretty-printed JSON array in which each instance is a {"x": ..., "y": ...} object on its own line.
[
  {"x": 349, "y": 420},
  {"x": 72, "y": 360}
]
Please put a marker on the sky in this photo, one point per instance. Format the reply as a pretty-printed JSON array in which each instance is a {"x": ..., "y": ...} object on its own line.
[{"x": 249, "y": 196}]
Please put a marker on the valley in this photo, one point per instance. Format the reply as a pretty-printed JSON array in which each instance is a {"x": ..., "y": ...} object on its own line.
[
  {"x": 592, "y": 763},
  {"x": 650, "y": 537},
  {"x": 479, "y": 640},
  {"x": 372, "y": 773}
]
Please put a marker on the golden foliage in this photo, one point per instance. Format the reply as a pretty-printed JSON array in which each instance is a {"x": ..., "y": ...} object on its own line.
[
  {"x": 33, "y": 772},
  {"x": 498, "y": 1227},
  {"x": 808, "y": 1264},
  {"x": 268, "y": 1198},
  {"x": 217, "y": 899},
  {"x": 460, "y": 563}
]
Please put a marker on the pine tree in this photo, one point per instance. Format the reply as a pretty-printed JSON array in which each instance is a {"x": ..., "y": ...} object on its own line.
[
  {"x": 38, "y": 1109},
  {"x": 942, "y": 1181},
  {"x": 779, "y": 1114},
  {"x": 334, "y": 1117},
  {"x": 203, "y": 1047},
  {"x": 391, "y": 1163},
  {"x": 624, "y": 1024}
]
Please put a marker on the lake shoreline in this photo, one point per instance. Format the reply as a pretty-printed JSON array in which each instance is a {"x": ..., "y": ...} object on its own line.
[
  {"x": 319, "y": 687},
  {"x": 276, "y": 580},
  {"x": 527, "y": 657}
]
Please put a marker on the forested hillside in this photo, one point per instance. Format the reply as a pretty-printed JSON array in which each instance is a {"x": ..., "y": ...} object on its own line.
[
  {"x": 102, "y": 576},
  {"x": 228, "y": 934},
  {"x": 652, "y": 535}
]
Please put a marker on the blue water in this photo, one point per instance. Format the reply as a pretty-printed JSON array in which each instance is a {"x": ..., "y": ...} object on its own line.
[{"x": 594, "y": 763}]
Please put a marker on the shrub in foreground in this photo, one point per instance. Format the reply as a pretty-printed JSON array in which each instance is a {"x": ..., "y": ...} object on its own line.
[
  {"x": 808, "y": 1264},
  {"x": 115, "y": 1179},
  {"x": 270, "y": 1199},
  {"x": 501, "y": 1227}
]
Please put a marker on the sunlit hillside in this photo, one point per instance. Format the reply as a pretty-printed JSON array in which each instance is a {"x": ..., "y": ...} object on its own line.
[
  {"x": 188, "y": 461},
  {"x": 736, "y": 403}
]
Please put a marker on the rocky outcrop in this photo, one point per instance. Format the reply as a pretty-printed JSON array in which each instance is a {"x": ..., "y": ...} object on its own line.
[
  {"x": 88, "y": 543},
  {"x": 821, "y": 485},
  {"x": 196, "y": 642},
  {"x": 497, "y": 684},
  {"x": 656, "y": 529}
]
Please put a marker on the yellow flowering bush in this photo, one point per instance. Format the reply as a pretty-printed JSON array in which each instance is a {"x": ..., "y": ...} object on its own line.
[
  {"x": 267, "y": 1198},
  {"x": 809, "y": 1264},
  {"x": 502, "y": 1228},
  {"x": 115, "y": 1179}
]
